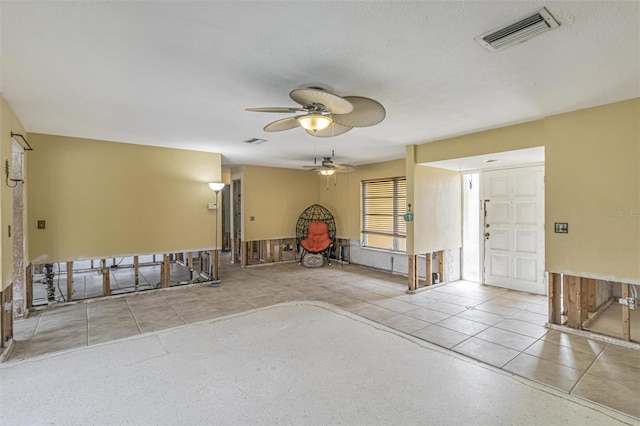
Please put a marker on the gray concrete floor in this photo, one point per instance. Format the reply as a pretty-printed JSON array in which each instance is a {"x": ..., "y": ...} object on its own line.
[
  {"x": 292, "y": 363},
  {"x": 499, "y": 327}
]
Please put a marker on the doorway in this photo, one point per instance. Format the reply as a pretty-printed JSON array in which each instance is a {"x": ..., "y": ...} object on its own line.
[
  {"x": 513, "y": 228},
  {"x": 471, "y": 227}
]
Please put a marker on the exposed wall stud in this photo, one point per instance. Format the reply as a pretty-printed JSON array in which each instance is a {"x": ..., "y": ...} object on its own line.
[
  {"x": 69, "y": 281},
  {"x": 106, "y": 283},
  {"x": 555, "y": 298},
  {"x": 626, "y": 322}
]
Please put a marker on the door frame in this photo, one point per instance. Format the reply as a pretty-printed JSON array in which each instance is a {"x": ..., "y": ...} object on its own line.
[{"x": 483, "y": 215}]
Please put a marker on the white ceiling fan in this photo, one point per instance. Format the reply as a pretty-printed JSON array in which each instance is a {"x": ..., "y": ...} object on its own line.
[
  {"x": 327, "y": 167},
  {"x": 325, "y": 114}
]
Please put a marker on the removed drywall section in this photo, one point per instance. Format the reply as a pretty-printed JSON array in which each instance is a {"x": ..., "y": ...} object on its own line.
[
  {"x": 593, "y": 184},
  {"x": 384, "y": 260},
  {"x": 105, "y": 199},
  {"x": 273, "y": 199}
]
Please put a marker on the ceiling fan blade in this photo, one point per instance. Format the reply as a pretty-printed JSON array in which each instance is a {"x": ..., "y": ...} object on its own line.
[
  {"x": 344, "y": 168},
  {"x": 275, "y": 109},
  {"x": 335, "y": 103},
  {"x": 333, "y": 130},
  {"x": 283, "y": 124},
  {"x": 366, "y": 112}
]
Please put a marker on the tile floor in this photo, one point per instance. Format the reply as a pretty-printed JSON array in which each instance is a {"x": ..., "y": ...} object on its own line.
[{"x": 499, "y": 327}]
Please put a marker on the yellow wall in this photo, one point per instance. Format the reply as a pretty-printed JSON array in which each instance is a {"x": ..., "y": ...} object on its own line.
[
  {"x": 343, "y": 198},
  {"x": 593, "y": 183},
  {"x": 275, "y": 198},
  {"x": 521, "y": 136},
  {"x": 592, "y": 164},
  {"x": 8, "y": 123},
  {"x": 106, "y": 199},
  {"x": 437, "y": 207}
]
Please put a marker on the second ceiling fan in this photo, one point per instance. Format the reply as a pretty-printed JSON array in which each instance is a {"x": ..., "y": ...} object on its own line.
[{"x": 325, "y": 114}]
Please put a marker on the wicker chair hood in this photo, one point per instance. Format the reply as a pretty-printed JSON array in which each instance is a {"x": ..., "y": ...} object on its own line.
[{"x": 314, "y": 213}]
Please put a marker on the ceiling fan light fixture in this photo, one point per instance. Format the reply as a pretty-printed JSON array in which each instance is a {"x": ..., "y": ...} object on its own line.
[
  {"x": 327, "y": 172},
  {"x": 315, "y": 122}
]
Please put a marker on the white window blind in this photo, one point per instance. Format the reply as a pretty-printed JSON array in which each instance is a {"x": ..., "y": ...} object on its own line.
[{"x": 384, "y": 204}]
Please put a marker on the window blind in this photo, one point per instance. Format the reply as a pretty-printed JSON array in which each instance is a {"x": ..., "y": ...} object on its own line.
[{"x": 384, "y": 204}]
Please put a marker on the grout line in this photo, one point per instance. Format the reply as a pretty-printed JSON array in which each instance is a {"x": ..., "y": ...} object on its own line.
[
  {"x": 133, "y": 314},
  {"x": 587, "y": 369}
]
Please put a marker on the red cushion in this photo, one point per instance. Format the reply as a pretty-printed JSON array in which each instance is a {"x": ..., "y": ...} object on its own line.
[{"x": 317, "y": 238}]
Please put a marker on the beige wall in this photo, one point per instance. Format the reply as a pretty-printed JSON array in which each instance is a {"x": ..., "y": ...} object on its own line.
[
  {"x": 343, "y": 198},
  {"x": 521, "y": 136},
  {"x": 593, "y": 183},
  {"x": 275, "y": 197},
  {"x": 9, "y": 122},
  {"x": 106, "y": 199},
  {"x": 437, "y": 205}
]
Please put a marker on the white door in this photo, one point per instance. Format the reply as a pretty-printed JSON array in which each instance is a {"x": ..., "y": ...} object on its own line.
[{"x": 513, "y": 202}]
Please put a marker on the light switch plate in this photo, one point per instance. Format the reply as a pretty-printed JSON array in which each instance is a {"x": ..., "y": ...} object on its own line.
[
  {"x": 41, "y": 224},
  {"x": 561, "y": 228}
]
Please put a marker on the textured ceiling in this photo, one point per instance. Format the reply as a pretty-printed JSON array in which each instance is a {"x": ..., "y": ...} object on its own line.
[{"x": 179, "y": 74}]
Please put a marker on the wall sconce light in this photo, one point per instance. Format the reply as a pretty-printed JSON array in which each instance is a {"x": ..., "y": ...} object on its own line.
[{"x": 7, "y": 179}]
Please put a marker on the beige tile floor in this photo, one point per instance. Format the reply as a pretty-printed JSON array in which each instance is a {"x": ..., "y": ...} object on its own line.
[{"x": 499, "y": 327}]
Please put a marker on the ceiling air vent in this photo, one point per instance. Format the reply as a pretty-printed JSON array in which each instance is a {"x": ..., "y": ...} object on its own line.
[
  {"x": 516, "y": 32},
  {"x": 255, "y": 141}
]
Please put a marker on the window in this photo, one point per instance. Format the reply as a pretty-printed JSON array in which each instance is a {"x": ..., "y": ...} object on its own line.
[{"x": 383, "y": 207}]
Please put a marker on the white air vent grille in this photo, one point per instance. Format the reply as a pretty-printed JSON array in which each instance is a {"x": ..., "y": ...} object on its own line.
[{"x": 516, "y": 32}]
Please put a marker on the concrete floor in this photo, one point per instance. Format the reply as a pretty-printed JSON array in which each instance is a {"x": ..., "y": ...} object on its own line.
[
  {"x": 297, "y": 363},
  {"x": 609, "y": 322},
  {"x": 501, "y": 328}
]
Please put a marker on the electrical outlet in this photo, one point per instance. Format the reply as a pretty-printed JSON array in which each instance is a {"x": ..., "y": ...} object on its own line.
[
  {"x": 252, "y": 218},
  {"x": 561, "y": 228},
  {"x": 41, "y": 224}
]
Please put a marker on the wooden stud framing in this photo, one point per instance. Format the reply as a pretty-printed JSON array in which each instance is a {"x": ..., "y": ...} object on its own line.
[
  {"x": 626, "y": 321},
  {"x": 136, "y": 273},
  {"x": 428, "y": 269},
  {"x": 244, "y": 253},
  {"x": 106, "y": 283},
  {"x": 278, "y": 251},
  {"x": 584, "y": 301},
  {"x": 165, "y": 272},
  {"x": 555, "y": 298},
  {"x": 591, "y": 294},
  {"x": 6, "y": 296},
  {"x": 441, "y": 265},
  {"x": 413, "y": 272},
  {"x": 28, "y": 277},
  {"x": 577, "y": 308},
  {"x": 69, "y": 281}
]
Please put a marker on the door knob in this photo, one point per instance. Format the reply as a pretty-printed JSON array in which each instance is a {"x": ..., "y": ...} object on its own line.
[{"x": 486, "y": 235}]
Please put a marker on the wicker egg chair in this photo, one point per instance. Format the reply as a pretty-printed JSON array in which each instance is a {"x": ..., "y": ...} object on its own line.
[{"x": 314, "y": 241}]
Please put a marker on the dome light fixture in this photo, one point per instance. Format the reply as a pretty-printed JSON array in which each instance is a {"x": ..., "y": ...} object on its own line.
[{"x": 315, "y": 122}]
